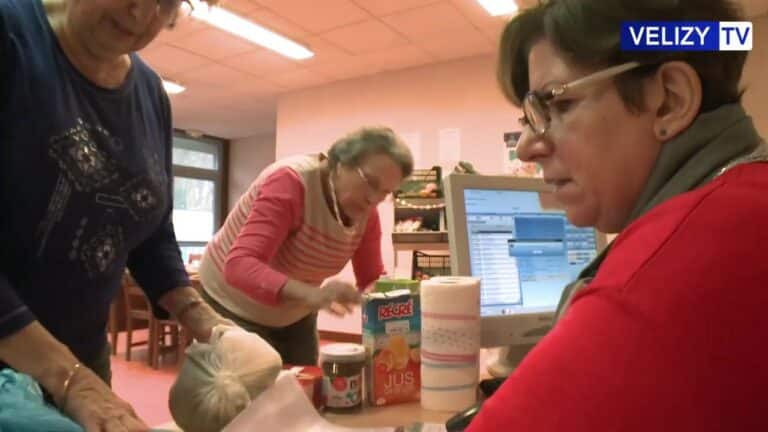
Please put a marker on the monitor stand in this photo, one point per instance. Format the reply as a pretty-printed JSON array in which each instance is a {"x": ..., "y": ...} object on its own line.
[{"x": 508, "y": 359}]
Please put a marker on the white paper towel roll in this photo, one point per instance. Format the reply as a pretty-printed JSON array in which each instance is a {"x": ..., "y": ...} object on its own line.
[{"x": 450, "y": 342}]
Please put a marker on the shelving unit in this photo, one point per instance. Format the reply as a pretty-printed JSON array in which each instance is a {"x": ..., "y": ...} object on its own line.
[
  {"x": 437, "y": 240},
  {"x": 432, "y": 237}
]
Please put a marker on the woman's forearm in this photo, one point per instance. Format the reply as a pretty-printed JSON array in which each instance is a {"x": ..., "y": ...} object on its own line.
[
  {"x": 35, "y": 352},
  {"x": 187, "y": 306},
  {"x": 295, "y": 291}
]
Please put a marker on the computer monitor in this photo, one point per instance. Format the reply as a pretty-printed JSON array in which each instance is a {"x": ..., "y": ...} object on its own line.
[{"x": 511, "y": 234}]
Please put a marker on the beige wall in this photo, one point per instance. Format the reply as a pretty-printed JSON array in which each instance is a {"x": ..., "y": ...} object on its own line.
[{"x": 247, "y": 157}]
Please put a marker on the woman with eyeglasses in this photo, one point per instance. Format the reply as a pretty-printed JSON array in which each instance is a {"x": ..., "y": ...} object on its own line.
[
  {"x": 85, "y": 182},
  {"x": 297, "y": 225},
  {"x": 665, "y": 330}
]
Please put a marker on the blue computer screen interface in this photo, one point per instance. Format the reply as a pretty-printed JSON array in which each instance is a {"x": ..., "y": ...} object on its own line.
[{"x": 523, "y": 253}]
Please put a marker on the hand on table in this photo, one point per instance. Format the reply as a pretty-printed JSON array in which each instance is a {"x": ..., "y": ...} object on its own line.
[{"x": 96, "y": 408}]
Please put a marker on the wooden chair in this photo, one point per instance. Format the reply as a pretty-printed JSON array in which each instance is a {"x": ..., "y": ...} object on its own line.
[
  {"x": 163, "y": 331},
  {"x": 138, "y": 308},
  {"x": 113, "y": 326}
]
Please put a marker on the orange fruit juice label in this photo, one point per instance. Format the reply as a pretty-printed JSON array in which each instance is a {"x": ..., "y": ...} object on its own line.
[{"x": 392, "y": 339}]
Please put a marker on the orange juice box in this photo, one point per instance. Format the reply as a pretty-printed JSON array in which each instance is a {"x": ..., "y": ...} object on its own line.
[{"x": 392, "y": 340}]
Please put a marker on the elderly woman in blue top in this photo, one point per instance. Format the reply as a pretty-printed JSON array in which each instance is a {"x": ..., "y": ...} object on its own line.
[{"x": 85, "y": 182}]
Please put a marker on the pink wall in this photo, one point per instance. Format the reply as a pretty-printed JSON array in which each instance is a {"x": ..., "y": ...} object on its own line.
[
  {"x": 247, "y": 157},
  {"x": 460, "y": 94},
  {"x": 421, "y": 101}
]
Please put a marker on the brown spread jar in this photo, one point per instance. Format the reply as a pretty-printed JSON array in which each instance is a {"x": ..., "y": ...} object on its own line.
[{"x": 342, "y": 365}]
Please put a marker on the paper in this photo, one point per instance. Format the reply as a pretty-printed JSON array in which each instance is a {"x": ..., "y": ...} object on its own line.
[
  {"x": 450, "y": 342},
  {"x": 413, "y": 141},
  {"x": 284, "y": 407},
  {"x": 449, "y": 144}
]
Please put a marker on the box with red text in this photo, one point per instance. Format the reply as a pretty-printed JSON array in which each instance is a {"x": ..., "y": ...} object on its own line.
[{"x": 392, "y": 339}]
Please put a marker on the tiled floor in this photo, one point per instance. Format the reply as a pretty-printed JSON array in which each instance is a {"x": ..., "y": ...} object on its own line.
[{"x": 146, "y": 389}]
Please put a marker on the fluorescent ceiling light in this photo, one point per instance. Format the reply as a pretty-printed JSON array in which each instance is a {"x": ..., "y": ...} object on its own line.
[
  {"x": 238, "y": 26},
  {"x": 499, "y": 7},
  {"x": 172, "y": 88}
]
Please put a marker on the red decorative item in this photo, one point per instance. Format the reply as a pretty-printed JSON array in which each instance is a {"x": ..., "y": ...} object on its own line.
[{"x": 311, "y": 380}]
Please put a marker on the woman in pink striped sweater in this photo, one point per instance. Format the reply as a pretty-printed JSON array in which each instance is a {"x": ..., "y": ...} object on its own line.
[{"x": 299, "y": 223}]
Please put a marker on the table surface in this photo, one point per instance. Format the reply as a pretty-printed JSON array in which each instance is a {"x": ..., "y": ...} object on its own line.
[
  {"x": 387, "y": 416},
  {"x": 393, "y": 415}
]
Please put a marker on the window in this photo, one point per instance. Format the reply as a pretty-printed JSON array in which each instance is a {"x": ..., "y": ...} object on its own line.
[{"x": 198, "y": 191}]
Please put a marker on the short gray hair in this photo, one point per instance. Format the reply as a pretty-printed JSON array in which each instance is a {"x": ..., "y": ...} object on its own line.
[{"x": 355, "y": 147}]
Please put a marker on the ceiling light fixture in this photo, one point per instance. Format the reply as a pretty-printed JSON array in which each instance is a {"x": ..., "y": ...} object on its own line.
[
  {"x": 172, "y": 88},
  {"x": 238, "y": 26},
  {"x": 499, "y": 7}
]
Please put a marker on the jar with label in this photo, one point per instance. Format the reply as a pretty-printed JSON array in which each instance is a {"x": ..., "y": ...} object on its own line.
[{"x": 342, "y": 365}]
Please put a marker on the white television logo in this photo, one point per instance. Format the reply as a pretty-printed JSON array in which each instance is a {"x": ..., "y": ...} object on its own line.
[{"x": 735, "y": 36}]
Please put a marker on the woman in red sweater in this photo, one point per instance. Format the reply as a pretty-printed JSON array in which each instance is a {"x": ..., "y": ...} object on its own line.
[{"x": 666, "y": 329}]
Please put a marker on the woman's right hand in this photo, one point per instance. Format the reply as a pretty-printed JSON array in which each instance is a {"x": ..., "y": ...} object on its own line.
[
  {"x": 335, "y": 295},
  {"x": 92, "y": 404},
  {"x": 338, "y": 297}
]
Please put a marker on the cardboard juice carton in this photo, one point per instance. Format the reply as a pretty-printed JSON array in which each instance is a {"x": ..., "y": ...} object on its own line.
[{"x": 392, "y": 340}]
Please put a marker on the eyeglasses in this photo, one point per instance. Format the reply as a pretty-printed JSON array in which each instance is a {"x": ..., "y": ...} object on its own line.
[
  {"x": 536, "y": 104},
  {"x": 371, "y": 183}
]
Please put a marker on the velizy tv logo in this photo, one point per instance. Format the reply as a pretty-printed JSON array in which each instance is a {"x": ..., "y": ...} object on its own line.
[{"x": 686, "y": 36}]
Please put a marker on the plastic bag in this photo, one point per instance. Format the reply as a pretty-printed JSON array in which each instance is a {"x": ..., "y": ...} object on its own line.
[
  {"x": 23, "y": 409},
  {"x": 219, "y": 379}
]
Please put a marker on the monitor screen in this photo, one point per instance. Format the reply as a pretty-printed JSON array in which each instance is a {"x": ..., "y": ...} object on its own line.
[{"x": 523, "y": 249}]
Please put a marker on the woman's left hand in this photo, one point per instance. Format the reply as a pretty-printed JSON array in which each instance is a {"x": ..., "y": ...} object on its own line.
[
  {"x": 193, "y": 313},
  {"x": 200, "y": 320}
]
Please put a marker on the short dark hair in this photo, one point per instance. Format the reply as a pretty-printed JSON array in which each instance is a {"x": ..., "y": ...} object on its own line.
[
  {"x": 587, "y": 32},
  {"x": 352, "y": 149}
]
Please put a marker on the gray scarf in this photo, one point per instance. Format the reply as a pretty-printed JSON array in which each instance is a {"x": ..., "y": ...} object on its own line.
[{"x": 716, "y": 140}]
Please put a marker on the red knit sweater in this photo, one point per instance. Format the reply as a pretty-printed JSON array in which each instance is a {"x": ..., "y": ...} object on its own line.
[{"x": 671, "y": 335}]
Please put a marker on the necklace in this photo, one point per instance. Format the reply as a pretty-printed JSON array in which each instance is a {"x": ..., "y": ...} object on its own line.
[{"x": 336, "y": 211}]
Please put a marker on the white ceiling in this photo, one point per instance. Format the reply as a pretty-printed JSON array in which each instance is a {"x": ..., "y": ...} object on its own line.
[{"x": 232, "y": 85}]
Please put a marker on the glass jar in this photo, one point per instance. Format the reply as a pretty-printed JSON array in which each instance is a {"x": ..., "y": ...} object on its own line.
[{"x": 342, "y": 365}]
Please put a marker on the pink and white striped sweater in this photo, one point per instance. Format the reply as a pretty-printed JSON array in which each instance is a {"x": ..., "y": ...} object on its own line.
[{"x": 282, "y": 228}]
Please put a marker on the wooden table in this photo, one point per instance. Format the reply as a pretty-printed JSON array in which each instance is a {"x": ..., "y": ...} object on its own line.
[{"x": 394, "y": 415}]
